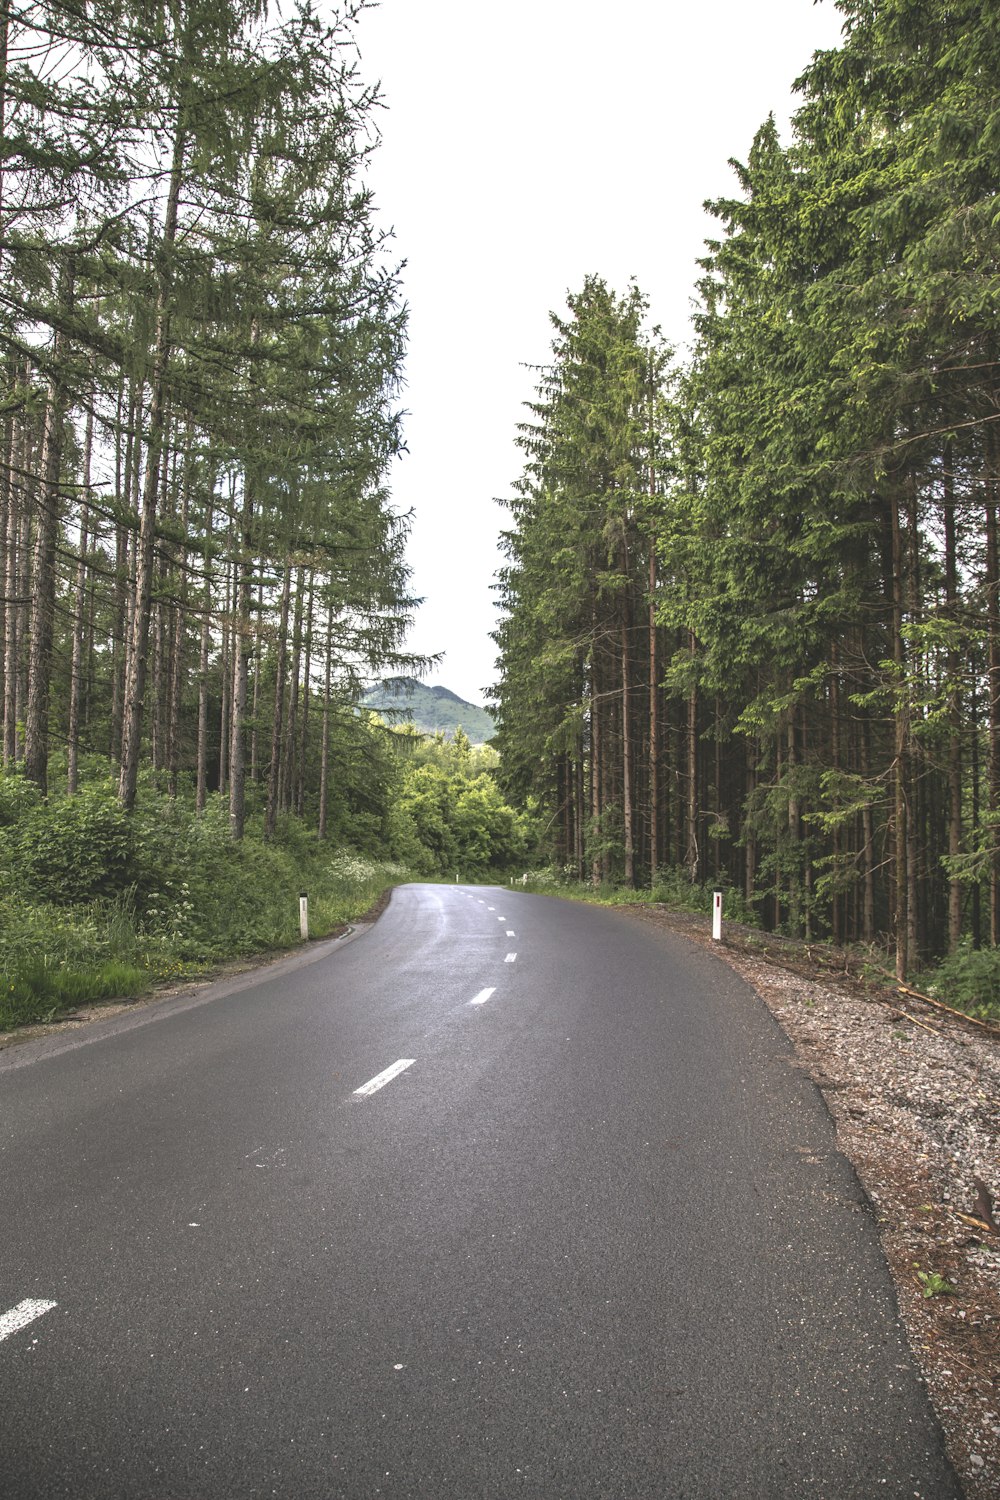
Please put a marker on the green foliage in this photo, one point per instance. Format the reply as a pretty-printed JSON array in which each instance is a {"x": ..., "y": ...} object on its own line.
[
  {"x": 968, "y": 979},
  {"x": 935, "y": 1285},
  {"x": 96, "y": 901},
  {"x": 672, "y": 888},
  {"x": 72, "y": 850},
  {"x": 449, "y": 813},
  {"x": 100, "y": 903}
]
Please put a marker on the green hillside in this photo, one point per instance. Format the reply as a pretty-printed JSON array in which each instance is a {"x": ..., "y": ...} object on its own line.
[{"x": 430, "y": 708}]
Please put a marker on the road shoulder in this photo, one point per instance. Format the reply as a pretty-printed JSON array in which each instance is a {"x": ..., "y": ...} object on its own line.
[{"x": 915, "y": 1106}]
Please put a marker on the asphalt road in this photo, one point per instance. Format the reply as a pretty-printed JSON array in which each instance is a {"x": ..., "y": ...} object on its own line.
[{"x": 589, "y": 1238}]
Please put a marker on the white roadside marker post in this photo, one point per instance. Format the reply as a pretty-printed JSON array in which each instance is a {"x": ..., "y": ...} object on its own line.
[
  {"x": 716, "y": 916},
  {"x": 303, "y": 916}
]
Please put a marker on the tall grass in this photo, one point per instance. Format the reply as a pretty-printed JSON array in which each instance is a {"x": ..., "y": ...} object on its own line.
[{"x": 95, "y": 906}]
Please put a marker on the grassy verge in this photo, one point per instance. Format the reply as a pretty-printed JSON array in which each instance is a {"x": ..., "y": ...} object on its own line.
[
  {"x": 233, "y": 903},
  {"x": 672, "y": 889}
]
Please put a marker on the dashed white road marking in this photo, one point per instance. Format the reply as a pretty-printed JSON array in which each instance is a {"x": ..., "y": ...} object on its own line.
[
  {"x": 386, "y": 1076},
  {"x": 483, "y": 996},
  {"x": 491, "y": 908},
  {"x": 511, "y": 932},
  {"x": 24, "y": 1313},
  {"x": 510, "y": 958}
]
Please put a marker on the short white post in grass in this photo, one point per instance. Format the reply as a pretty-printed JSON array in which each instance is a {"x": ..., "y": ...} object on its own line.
[
  {"x": 304, "y": 916},
  {"x": 716, "y": 916}
]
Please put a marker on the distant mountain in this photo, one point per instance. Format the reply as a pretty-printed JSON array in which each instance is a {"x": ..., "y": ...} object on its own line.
[{"x": 430, "y": 708}]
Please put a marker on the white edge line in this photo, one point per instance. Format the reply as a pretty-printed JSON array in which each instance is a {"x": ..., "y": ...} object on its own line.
[
  {"x": 483, "y": 996},
  {"x": 386, "y": 1076},
  {"x": 24, "y": 1313}
]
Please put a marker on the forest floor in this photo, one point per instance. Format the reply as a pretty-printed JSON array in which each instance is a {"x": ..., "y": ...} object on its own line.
[{"x": 914, "y": 1094}]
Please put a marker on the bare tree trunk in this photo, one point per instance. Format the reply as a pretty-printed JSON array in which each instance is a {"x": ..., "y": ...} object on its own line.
[
  {"x": 300, "y": 795},
  {"x": 868, "y": 835},
  {"x": 692, "y": 856},
  {"x": 274, "y": 772},
  {"x": 254, "y": 735},
  {"x": 324, "y": 758},
  {"x": 654, "y": 724},
  {"x": 43, "y": 595},
  {"x": 241, "y": 665},
  {"x": 12, "y": 613},
  {"x": 291, "y": 738},
  {"x": 79, "y": 603},
  {"x": 901, "y": 747},
  {"x": 993, "y": 638},
  {"x": 596, "y": 757},
  {"x": 627, "y": 752},
  {"x": 794, "y": 829},
  {"x": 135, "y": 679},
  {"x": 201, "y": 778},
  {"x": 177, "y": 648},
  {"x": 954, "y": 705},
  {"x": 6, "y": 500},
  {"x": 225, "y": 715}
]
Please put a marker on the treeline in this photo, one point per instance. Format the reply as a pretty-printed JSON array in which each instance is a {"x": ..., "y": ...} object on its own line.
[
  {"x": 200, "y": 344},
  {"x": 752, "y": 606}
]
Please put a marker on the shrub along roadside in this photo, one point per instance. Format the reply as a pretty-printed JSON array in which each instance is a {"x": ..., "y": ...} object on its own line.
[
  {"x": 673, "y": 889},
  {"x": 166, "y": 895}
]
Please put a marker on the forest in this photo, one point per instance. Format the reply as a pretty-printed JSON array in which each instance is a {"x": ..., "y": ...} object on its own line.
[
  {"x": 750, "y": 625},
  {"x": 750, "y": 599},
  {"x": 201, "y": 568}
]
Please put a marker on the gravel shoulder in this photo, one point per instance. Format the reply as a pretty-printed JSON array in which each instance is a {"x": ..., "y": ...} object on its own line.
[{"x": 916, "y": 1104}]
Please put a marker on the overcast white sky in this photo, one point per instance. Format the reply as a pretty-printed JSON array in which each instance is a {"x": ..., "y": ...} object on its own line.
[{"x": 524, "y": 146}]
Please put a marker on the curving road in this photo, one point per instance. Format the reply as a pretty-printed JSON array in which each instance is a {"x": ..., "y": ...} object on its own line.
[{"x": 504, "y": 1196}]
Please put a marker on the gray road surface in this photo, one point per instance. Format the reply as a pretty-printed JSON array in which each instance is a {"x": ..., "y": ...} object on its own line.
[{"x": 591, "y": 1239}]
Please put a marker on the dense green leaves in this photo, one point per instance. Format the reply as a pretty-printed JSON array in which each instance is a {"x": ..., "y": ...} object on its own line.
[{"x": 823, "y": 717}]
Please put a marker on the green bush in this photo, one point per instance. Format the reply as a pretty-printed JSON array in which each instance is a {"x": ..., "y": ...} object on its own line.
[
  {"x": 72, "y": 850},
  {"x": 969, "y": 980}
]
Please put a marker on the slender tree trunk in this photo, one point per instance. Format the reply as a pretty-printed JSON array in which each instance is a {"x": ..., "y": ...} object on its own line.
[
  {"x": 159, "y": 617},
  {"x": 794, "y": 830},
  {"x": 654, "y": 723},
  {"x": 254, "y": 735},
  {"x": 25, "y": 594},
  {"x": 868, "y": 836},
  {"x": 12, "y": 612},
  {"x": 290, "y": 753},
  {"x": 241, "y": 664},
  {"x": 692, "y": 855},
  {"x": 627, "y": 752},
  {"x": 954, "y": 705},
  {"x": 596, "y": 756},
  {"x": 201, "y": 777},
  {"x": 273, "y": 777},
  {"x": 79, "y": 605},
  {"x": 977, "y": 914},
  {"x": 225, "y": 718},
  {"x": 43, "y": 597},
  {"x": 901, "y": 747},
  {"x": 135, "y": 680},
  {"x": 324, "y": 757},
  {"x": 993, "y": 639},
  {"x": 6, "y": 500},
  {"x": 177, "y": 650},
  {"x": 300, "y": 792}
]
